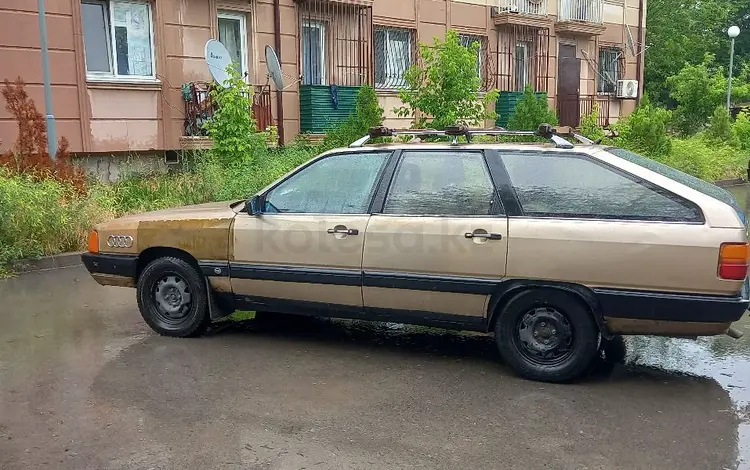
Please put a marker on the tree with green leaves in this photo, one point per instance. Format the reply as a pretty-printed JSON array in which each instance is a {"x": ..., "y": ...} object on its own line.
[
  {"x": 232, "y": 127},
  {"x": 443, "y": 90}
]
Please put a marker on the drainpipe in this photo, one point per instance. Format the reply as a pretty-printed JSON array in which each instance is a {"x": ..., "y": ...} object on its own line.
[
  {"x": 49, "y": 117},
  {"x": 277, "y": 40},
  {"x": 641, "y": 56}
]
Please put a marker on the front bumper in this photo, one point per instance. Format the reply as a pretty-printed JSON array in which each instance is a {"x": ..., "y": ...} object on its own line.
[{"x": 115, "y": 265}]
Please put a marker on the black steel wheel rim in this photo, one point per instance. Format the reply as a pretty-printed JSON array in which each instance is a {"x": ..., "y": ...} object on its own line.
[
  {"x": 172, "y": 299},
  {"x": 544, "y": 336}
]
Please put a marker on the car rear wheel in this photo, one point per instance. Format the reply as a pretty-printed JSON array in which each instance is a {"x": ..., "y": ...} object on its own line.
[
  {"x": 547, "y": 335},
  {"x": 172, "y": 298}
]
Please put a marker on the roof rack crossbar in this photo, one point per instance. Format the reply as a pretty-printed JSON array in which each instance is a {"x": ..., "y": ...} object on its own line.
[{"x": 545, "y": 130}]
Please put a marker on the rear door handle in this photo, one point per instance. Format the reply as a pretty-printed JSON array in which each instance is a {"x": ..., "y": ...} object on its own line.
[
  {"x": 343, "y": 231},
  {"x": 488, "y": 236}
]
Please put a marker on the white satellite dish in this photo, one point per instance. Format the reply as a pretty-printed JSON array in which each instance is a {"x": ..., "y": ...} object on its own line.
[
  {"x": 274, "y": 68},
  {"x": 217, "y": 59}
]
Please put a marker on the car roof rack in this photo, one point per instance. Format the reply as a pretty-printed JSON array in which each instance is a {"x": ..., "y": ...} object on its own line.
[{"x": 546, "y": 131}]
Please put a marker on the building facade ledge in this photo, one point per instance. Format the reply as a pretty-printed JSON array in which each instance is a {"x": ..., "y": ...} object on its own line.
[{"x": 580, "y": 28}]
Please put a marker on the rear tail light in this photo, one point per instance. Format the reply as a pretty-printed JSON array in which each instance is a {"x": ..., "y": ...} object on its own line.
[
  {"x": 733, "y": 261},
  {"x": 93, "y": 245}
]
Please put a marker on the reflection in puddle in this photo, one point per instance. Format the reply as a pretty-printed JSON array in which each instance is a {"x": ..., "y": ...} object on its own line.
[{"x": 721, "y": 358}]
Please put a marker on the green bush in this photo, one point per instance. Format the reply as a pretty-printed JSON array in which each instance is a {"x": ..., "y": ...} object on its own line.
[
  {"x": 40, "y": 217},
  {"x": 698, "y": 90},
  {"x": 645, "y": 131},
  {"x": 590, "y": 125},
  {"x": 444, "y": 87},
  {"x": 531, "y": 111},
  {"x": 741, "y": 129},
  {"x": 720, "y": 128},
  {"x": 367, "y": 114},
  {"x": 706, "y": 159},
  {"x": 232, "y": 127}
]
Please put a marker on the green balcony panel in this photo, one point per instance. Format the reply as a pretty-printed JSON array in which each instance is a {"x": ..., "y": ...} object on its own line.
[
  {"x": 317, "y": 113},
  {"x": 506, "y": 103}
]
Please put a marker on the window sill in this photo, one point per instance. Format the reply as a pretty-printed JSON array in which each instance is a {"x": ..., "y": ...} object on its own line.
[
  {"x": 387, "y": 91},
  {"x": 119, "y": 83}
]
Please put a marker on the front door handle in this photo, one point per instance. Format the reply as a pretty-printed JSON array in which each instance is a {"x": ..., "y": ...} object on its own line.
[
  {"x": 488, "y": 236},
  {"x": 343, "y": 231}
]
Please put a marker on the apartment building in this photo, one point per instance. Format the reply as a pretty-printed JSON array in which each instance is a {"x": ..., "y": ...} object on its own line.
[{"x": 128, "y": 76}]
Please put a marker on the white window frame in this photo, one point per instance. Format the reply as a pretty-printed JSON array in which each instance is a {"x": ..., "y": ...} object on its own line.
[
  {"x": 110, "y": 33},
  {"x": 524, "y": 45},
  {"x": 394, "y": 84},
  {"x": 244, "y": 51},
  {"x": 321, "y": 27}
]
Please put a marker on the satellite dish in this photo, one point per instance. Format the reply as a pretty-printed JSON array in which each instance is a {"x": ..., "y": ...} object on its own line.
[
  {"x": 274, "y": 68},
  {"x": 631, "y": 43},
  {"x": 217, "y": 59}
]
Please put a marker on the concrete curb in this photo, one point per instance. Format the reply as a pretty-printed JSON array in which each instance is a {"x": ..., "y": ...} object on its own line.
[
  {"x": 63, "y": 260},
  {"x": 728, "y": 183}
]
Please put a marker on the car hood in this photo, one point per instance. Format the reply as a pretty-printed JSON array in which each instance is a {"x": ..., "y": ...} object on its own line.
[
  {"x": 211, "y": 210},
  {"x": 203, "y": 231}
]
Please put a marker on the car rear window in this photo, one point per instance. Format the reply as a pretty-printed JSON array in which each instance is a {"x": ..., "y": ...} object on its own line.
[
  {"x": 683, "y": 178},
  {"x": 575, "y": 186}
]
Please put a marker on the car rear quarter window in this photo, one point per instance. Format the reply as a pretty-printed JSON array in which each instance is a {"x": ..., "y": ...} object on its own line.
[
  {"x": 443, "y": 183},
  {"x": 690, "y": 181},
  {"x": 569, "y": 185}
]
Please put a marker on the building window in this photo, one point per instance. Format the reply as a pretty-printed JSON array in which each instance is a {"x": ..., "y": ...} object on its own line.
[
  {"x": 393, "y": 56},
  {"x": 610, "y": 69},
  {"x": 313, "y": 53},
  {"x": 523, "y": 65},
  {"x": 233, "y": 35},
  {"x": 118, "y": 38},
  {"x": 466, "y": 41}
]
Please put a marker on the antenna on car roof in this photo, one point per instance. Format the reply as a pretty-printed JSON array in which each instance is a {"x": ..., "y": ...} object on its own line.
[{"x": 546, "y": 131}]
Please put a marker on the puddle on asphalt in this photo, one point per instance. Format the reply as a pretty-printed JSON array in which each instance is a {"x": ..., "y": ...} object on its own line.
[{"x": 721, "y": 358}]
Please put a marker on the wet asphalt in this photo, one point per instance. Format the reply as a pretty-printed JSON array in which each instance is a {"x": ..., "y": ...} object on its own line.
[{"x": 85, "y": 384}]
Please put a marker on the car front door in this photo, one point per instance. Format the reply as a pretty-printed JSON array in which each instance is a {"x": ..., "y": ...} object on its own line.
[
  {"x": 304, "y": 249},
  {"x": 437, "y": 246}
]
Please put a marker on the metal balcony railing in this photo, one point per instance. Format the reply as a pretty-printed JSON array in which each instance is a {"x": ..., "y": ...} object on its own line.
[
  {"x": 524, "y": 7},
  {"x": 589, "y": 11},
  {"x": 200, "y": 107}
]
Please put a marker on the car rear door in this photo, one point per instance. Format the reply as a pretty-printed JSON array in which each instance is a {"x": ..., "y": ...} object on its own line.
[
  {"x": 436, "y": 246},
  {"x": 304, "y": 250},
  {"x": 576, "y": 219}
]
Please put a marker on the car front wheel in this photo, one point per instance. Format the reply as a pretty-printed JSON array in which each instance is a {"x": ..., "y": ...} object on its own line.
[
  {"x": 172, "y": 298},
  {"x": 547, "y": 335}
]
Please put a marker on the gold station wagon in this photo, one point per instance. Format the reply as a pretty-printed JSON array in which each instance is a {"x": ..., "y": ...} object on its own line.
[{"x": 555, "y": 248}]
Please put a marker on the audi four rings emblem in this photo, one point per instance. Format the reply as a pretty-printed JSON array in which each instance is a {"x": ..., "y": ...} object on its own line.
[{"x": 119, "y": 241}]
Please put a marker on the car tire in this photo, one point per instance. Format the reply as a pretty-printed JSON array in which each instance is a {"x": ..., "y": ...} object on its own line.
[
  {"x": 172, "y": 298},
  {"x": 547, "y": 335}
]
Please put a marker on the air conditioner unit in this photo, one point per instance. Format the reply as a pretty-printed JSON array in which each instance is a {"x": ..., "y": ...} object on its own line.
[{"x": 627, "y": 88}]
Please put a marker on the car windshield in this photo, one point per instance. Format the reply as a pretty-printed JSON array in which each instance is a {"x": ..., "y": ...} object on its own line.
[{"x": 683, "y": 178}]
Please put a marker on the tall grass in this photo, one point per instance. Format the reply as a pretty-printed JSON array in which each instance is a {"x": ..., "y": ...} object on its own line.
[{"x": 42, "y": 217}]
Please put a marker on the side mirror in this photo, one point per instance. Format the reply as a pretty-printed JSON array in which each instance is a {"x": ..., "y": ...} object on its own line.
[{"x": 254, "y": 205}]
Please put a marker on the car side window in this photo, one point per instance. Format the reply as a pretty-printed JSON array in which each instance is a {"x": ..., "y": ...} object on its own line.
[
  {"x": 441, "y": 183},
  {"x": 337, "y": 184},
  {"x": 557, "y": 185}
]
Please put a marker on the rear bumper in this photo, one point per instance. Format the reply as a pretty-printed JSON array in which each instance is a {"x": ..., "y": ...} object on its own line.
[
  {"x": 671, "y": 307},
  {"x": 114, "y": 265}
]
